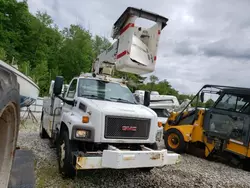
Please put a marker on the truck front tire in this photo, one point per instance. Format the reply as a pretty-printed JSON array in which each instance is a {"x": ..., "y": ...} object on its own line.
[
  {"x": 42, "y": 132},
  {"x": 65, "y": 147}
]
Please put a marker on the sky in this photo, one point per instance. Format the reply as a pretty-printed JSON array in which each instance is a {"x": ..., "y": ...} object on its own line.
[{"x": 204, "y": 42}]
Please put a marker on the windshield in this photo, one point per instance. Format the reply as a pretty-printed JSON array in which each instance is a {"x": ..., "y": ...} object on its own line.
[
  {"x": 161, "y": 112},
  {"x": 102, "y": 90}
]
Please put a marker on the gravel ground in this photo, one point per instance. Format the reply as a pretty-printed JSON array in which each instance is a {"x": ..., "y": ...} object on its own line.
[{"x": 190, "y": 172}]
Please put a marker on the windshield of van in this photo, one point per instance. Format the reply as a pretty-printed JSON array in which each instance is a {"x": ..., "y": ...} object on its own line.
[
  {"x": 103, "y": 90},
  {"x": 162, "y": 112}
]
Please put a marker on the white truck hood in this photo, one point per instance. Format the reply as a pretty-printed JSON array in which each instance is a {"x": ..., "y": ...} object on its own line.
[{"x": 118, "y": 108}]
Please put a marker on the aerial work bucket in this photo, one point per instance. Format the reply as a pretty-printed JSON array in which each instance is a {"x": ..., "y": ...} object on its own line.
[{"x": 135, "y": 50}]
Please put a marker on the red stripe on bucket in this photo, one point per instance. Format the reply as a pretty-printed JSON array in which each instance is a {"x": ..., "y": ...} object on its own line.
[
  {"x": 126, "y": 27},
  {"x": 125, "y": 52}
]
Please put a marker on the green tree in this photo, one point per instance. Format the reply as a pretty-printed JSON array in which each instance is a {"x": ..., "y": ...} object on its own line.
[
  {"x": 163, "y": 87},
  {"x": 209, "y": 103},
  {"x": 41, "y": 76},
  {"x": 76, "y": 53},
  {"x": 99, "y": 45},
  {"x": 2, "y": 54}
]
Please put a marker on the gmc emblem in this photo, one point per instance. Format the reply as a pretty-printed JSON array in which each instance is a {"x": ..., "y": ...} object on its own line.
[{"x": 129, "y": 128}]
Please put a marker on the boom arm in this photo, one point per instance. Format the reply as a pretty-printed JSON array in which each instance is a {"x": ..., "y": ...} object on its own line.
[{"x": 135, "y": 48}]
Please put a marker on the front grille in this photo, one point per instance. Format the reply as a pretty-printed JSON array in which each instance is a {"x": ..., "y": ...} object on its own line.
[{"x": 115, "y": 127}]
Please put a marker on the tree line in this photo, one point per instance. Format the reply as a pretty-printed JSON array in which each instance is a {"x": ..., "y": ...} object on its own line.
[{"x": 42, "y": 50}]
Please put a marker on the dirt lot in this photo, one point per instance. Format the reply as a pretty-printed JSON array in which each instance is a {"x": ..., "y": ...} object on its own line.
[{"x": 191, "y": 172}]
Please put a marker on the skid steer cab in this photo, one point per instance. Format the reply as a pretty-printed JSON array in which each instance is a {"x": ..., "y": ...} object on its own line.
[{"x": 218, "y": 128}]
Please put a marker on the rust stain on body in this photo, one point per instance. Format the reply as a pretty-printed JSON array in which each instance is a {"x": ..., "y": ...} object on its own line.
[
  {"x": 82, "y": 161},
  {"x": 155, "y": 156},
  {"x": 127, "y": 158}
]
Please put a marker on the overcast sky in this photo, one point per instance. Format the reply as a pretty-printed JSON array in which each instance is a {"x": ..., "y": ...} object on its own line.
[{"x": 205, "y": 42}]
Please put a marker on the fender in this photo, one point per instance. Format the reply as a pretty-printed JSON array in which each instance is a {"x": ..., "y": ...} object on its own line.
[
  {"x": 70, "y": 119},
  {"x": 67, "y": 120}
]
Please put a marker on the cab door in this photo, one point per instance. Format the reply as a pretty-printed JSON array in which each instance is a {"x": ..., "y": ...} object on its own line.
[{"x": 229, "y": 120}]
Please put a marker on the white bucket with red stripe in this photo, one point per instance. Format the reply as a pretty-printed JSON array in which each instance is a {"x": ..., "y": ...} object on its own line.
[
  {"x": 137, "y": 46},
  {"x": 135, "y": 50}
]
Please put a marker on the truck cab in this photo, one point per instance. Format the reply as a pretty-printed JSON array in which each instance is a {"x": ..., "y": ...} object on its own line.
[{"x": 110, "y": 107}]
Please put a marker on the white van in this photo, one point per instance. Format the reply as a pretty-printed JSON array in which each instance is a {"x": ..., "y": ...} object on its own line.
[{"x": 161, "y": 104}]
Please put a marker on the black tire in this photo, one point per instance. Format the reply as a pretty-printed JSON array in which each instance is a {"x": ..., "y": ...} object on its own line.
[
  {"x": 153, "y": 146},
  {"x": 246, "y": 164},
  {"x": 42, "y": 132},
  {"x": 9, "y": 121},
  {"x": 66, "y": 167},
  {"x": 174, "y": 141}
]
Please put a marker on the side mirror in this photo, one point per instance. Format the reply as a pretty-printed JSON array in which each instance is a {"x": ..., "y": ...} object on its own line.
[
  {"x": 57, "y": 90},
  {"x": 202, "y": 97},
  {"x": 146, "y": 101}
]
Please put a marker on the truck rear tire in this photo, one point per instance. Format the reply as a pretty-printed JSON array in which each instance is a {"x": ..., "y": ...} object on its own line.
[
  {"x": 65, "y": 147},
  {"x": 174, "y": 141},
  {"x": 9, "y": 122}
]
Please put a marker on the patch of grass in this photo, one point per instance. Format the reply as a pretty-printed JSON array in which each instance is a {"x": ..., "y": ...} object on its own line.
[
  {"x": 44, "y": 174},
  {"x": 47, "y": 175}
]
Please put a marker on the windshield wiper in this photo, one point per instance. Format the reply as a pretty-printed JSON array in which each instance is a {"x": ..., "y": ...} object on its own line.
[
  {"x": 94, "y": 96},
  {"x": 88, "y": 95},
  {"x": 122, "y": 100}
]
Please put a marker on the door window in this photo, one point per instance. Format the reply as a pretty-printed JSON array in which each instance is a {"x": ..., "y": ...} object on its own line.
[
  {"x": 234, "y": 103},
  {"x": 228, "y": 102},
  {"x": 234, "y": 123},
  {"x": 72, "y": 89}
]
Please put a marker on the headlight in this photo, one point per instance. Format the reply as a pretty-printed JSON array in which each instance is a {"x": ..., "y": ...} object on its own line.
[{"x": 82, "y": 133}]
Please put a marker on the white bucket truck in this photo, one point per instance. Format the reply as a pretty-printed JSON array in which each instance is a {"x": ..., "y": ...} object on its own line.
[{"x": 97, "y": 123}]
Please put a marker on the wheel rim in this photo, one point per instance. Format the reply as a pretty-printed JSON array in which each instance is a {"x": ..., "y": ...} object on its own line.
[
  {"x": 173, "y": 140},
  {"x": 62, "y": 154}
]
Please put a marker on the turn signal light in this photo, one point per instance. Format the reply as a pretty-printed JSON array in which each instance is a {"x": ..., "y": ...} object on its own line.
[
  {"x": 85, "y": 119},
  {"x": 159, "y": 124}
]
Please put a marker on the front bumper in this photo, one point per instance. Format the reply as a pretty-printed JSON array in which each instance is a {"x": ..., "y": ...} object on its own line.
[{"x": 123, "y": 159}]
